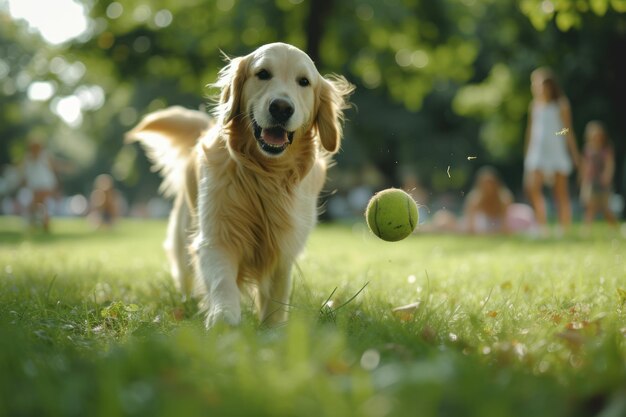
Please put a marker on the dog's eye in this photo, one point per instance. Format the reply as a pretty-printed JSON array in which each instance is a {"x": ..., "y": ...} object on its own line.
[
  {"x": 264, "y": 75},
  {"x": 304, "y": 82}
]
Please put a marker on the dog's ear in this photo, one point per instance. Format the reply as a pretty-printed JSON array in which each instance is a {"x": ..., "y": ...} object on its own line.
[
  {"x": 332, "y": 101},
  {"x": 230, "y": 81}
]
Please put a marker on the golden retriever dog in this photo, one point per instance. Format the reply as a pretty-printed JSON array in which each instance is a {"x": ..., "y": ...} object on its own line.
[{"x": 246, "y": 181}]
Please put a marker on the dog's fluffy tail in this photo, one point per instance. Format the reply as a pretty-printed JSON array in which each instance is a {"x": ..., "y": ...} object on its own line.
[{"x": 168, "y": 136}]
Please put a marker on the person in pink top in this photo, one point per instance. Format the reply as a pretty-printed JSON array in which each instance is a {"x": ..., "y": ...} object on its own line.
[
  {"x": 551, "y": 152},
  {"x": 487, "y": 204},
  {"x": 598, "y": 167}
]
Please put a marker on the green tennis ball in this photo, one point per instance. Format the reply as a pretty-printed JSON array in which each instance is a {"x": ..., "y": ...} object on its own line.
[{"x": 391, "y": 214}]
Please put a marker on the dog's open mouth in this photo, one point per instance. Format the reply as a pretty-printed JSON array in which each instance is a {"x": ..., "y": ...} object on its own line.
[{"x": 272, "y": 140}]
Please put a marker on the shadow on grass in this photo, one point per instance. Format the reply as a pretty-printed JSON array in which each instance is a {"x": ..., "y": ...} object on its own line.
[
  {"x": 15, "y": 237},
  {"x": 14, "y": 230}
]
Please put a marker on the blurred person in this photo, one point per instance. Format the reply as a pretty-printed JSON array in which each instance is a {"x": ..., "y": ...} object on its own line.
[
  {"x": 9, "y": 179},
  {"x": 551, "y": 152},
  {"x": 487, "y": 204},
  {"x": 598, "y": 168},
  {"x": 40, "y": 180},
  {"x": 520, "y": 218},
  {"x": 103, "y": 202},
  {"x": 443, "y": 221},
  {"x": 9, "y": 185}
]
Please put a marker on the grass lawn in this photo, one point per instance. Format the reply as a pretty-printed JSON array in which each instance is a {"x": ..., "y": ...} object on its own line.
[{"x": 91, "y": 325}]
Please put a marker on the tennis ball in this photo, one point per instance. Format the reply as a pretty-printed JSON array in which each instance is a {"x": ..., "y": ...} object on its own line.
[{"x": 391, "y": 214}]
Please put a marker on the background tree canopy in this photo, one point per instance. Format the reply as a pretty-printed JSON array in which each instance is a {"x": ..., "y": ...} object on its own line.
[{"x": 437, "y": 80}]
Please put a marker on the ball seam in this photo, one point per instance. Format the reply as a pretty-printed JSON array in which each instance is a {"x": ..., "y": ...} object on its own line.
[
  {"x": 377, "y": 231},
  {"x": 408, "y": 207}
]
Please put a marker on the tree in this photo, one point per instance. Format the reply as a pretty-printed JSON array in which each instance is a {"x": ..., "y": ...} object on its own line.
[{"x": 437, "y": 81}]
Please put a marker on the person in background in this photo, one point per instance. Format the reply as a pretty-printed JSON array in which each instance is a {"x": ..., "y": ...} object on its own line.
[
  {"x": 487, "y": 204},
  {"x": 40, "y": 180},
  {"x": 598, "y": 167},
  {"x": 551, "y": 152},
  {"x": 103, "y": 202}
]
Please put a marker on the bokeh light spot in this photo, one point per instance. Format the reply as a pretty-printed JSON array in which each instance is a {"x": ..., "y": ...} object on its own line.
[
  {"x": 41, "y": 91},
  {"x": 365, "y": 12},
  {"x": 114, "y": 10},
  {"x": 163, "y": 18},
  {"x": 141, "y": 44},
  {"x": 142, "y": 13},
  {"x": 370, "y": 359}
]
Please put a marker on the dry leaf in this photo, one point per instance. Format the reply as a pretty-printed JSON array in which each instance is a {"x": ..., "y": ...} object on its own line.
[
  {"x": 574, "y": 338},
  {"x": 405, "y": 312},
  {"x": 506, "y": 285}
]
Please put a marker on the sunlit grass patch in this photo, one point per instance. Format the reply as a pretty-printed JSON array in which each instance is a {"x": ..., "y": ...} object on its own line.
[{"x": 91, "y": 324}]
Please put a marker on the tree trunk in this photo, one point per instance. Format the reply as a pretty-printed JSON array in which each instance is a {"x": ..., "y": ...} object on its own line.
[
  {"x": 319, "y": 11},
  {"x": 619, "y": 105}
]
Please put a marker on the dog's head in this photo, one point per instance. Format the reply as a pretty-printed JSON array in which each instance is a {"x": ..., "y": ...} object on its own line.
[{"x": 279, "y": 97}]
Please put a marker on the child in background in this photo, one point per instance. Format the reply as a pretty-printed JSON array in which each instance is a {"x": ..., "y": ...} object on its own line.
[
  {"x": 598, "y": 167},
  {"x": 40, "y": 179},
  {"x": 550, "y": 152},
  {"x": 487, "y": 204},
  {"x": 103, "y": 202}
]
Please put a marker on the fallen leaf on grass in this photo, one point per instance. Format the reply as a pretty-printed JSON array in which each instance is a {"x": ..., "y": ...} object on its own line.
[
  {"x": 576, "y": 333},
  {"x": 178, "y": 313},
  {"x": 492, "y": 314},
  {"x": 405, "y": 312},
  {"x": 576, "y": 325},
  {"x": 429, "y": 334},
  {"x": 572, "y": 337},
  {"x": 398, "y": 350}
]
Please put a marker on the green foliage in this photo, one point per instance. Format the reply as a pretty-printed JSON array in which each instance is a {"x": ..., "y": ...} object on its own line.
[
  {"x": 90, "y": 324},
  {"x": 567, "y": 14},
  {"x": 445, "y": 76},
  {"x": 496, "y": 101}
]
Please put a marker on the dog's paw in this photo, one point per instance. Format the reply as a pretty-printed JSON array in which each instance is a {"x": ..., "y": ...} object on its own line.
[{"x": 216, "y": 316}]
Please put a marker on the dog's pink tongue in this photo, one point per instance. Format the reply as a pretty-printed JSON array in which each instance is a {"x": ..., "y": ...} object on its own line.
[{"x": 273, "y": 136}]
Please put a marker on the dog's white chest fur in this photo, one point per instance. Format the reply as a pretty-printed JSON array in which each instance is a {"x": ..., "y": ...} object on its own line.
[{"x": 263, "y": 221}]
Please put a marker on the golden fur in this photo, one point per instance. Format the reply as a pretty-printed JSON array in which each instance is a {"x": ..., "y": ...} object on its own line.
[{"x": 242, "y": 215}]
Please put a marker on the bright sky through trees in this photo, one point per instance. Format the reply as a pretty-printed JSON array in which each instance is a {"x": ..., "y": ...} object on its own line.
[{"x": 58, "y": 21}]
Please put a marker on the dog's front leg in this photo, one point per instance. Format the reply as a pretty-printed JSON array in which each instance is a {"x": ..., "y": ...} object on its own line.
[
  {"x": 219, "y": 274},
  {"x": 274, "y": 295}
]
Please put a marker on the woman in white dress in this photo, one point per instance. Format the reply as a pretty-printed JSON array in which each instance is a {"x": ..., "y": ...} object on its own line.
[{"x": 551, "y": 152}]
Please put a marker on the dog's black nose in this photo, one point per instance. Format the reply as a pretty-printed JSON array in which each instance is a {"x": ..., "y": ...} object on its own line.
[{"x": 281, "y": 109}]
